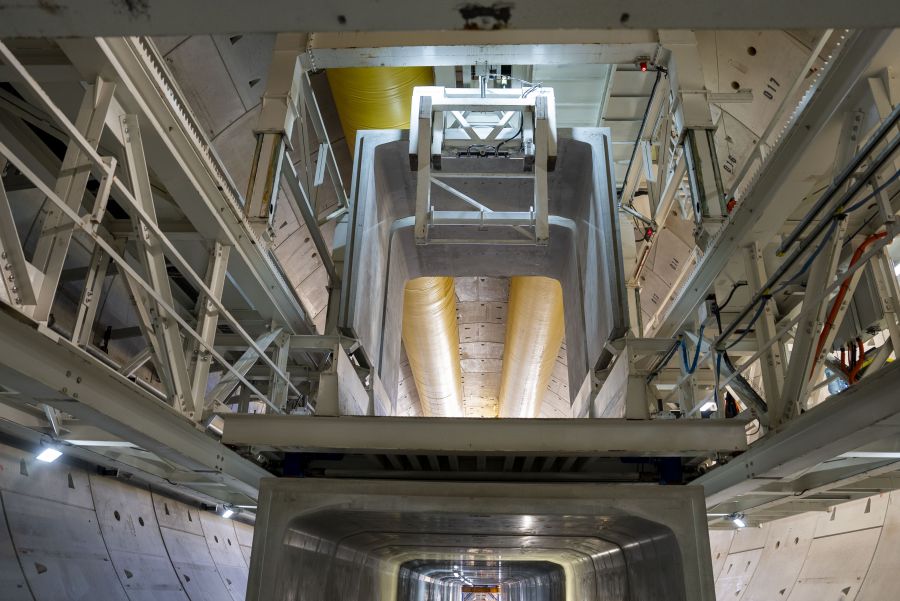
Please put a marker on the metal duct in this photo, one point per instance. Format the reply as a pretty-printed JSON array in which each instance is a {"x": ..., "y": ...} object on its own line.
[
  {"x": 375, "y": 97},
  {"x": 534, "y": 334},
  {"x": 431, "y": 337}
]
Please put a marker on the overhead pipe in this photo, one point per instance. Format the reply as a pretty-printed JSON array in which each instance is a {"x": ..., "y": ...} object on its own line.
[
  {"x": 534, "y": 335},
  {"x": 375, "y": 97},
  {"x": 431, "y": 337},
  {"x": 381, "y": 98}
]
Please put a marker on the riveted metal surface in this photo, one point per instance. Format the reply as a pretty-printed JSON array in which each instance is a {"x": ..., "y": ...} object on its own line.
[{"x": 128, "y": 524}]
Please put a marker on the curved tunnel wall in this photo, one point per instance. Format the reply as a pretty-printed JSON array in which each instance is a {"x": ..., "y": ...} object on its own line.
[
  {"x": 850, "y": 553},
  {"x": 60, "y": 540},
  {"x": 68, "y": 535}
]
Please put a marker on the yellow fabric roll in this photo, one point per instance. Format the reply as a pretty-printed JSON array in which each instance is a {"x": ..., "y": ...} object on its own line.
[
  {"x": 375, "y": 97},
  {"x": 431, "y": 337},
  {"x": 534, "y": 333}
]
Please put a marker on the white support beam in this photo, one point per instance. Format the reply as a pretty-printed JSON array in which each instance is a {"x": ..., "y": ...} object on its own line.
[
  {"x": 231, "y": 380},
  {"x": 56, "y": 231},
  {"x": 13, "y": 265},
  {"x": 784, "y": 173},
  {"x": 544, "y": 147},
  {"x": 772, "y": 362},
  {"x": 169, "y": 343},
  {"x": 91, "y": 294},
  {"x": 803, "y": 356},
  {"x": 168, "y": 17},
  {"x": 860, "y": 415},
  {"x": 69, "y": 379},
  {"x": 208, "y": 321},
  {"x": 467, "y": 436}
]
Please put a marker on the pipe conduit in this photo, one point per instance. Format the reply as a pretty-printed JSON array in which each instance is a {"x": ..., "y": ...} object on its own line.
[
  {"x": 534, "y": 334},
  {"x": 375, "y": 97},
  {"x": 431, "y": 337}
]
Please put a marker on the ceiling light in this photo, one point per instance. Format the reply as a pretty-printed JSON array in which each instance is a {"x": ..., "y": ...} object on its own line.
[
  {"x": 897, "y": 270},
  {"x": 227, "y": 511},
  {"x": 49, "y": 455},
  {"x": 708, "y": 406},
  {"x": 738, "y": 520}
]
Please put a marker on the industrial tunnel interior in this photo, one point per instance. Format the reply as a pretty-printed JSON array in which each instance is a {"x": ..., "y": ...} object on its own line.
[
  {"x": 283, "y": 228},
  {"x": 355, "y": 540},
  {"x": 528, "y": 558}
]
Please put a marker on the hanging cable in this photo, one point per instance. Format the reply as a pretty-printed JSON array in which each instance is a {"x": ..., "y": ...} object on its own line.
[
  {"x": 839, "y": 298},
  {"x": 690, "y": 367}
]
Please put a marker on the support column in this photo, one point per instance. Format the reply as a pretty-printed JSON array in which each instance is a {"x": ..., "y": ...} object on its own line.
[
  {"x": 207, "y": 322},
  {"x": 273, "y": 132},
  {"x": 13, "y": 266},
  {"x": 169, "y": 343},
  {"x": 772, "y": 360},
  {"x": 90, "y": 297},
  {"x": 56, "y": 232},
  {"x": 796, "y": 383}
]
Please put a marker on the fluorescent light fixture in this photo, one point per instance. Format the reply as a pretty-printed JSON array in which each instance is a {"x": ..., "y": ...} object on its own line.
[
  {"x": 708, "y": 406},
  {"x": 870, "y": 455},
  {"x": 49, "y": 455}
]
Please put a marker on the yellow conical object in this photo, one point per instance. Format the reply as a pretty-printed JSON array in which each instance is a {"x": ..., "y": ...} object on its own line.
[
  {"x": 431, "y": 337},
  {"x": 375, "y": 97},
  {"x": 534, "y": 334}
]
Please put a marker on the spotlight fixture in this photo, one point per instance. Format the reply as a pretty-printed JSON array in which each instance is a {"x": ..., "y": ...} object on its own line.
[
  {"x": 738, "y": 520},
  {"x": 49, "y": 455},
  {"x": 227, "y": 511}
]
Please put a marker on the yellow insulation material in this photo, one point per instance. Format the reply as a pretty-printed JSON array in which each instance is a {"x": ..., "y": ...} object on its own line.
[
  {"x": 534, "y": 334},
  {"x": 431, "y": 337},
  {"x": 375, "y": 97}
]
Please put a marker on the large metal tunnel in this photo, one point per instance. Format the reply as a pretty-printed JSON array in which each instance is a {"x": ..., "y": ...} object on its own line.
[{"x": 360, "y": 540}]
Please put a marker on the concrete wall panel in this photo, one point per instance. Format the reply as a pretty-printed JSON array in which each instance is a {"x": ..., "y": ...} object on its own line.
[
  {"x": 782, "y": 558},
  {"x": 128, "y": 524},
  {"x": 226, "y": 553},
  {"x": 62, "y": 553},
  {"x": 836, "y": 566},
  {"x": 882, "y": 578},
  {"x": 719, "y": 543},
  {"x": 68, "y": 536},
  {"x": 12, "y": 581},
  {"x": 736, "y": 574}
]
